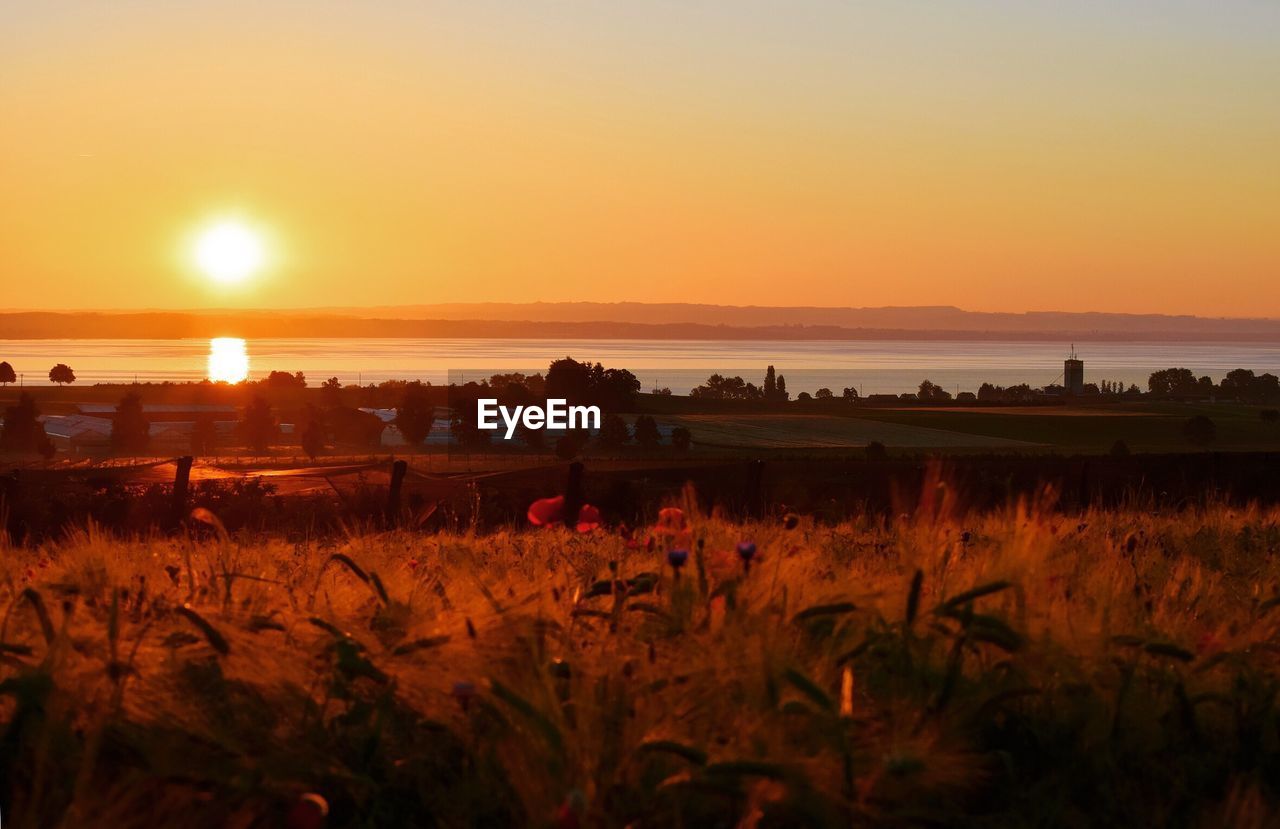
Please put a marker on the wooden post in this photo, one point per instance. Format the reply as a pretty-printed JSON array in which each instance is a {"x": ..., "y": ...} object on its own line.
[
  {"x": 398, "y": 470},
  {"x": 181, "y": 479},
  {"x": 573, "y": 498}
]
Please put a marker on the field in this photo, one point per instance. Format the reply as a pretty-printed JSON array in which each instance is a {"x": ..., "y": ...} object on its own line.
[
  {"x": 818, "y": 431},
  {"x": 1024, "y": 666},
  {"x": 1145, "y": 427}
]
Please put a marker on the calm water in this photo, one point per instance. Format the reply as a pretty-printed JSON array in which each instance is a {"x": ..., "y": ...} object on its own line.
[{"x": 876, "y": 366}]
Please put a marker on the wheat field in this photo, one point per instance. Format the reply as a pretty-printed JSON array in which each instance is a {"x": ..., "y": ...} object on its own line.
[{"x": 1020, "y": 667}]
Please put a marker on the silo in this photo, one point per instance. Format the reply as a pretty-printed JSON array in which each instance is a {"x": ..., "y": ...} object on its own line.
[{"x": 1073, "y": 374}]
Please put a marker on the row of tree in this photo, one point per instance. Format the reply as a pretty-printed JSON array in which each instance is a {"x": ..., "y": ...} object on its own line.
[
  {"x": 60, "y": 374},
  {"x": 1239, "y": 384}
]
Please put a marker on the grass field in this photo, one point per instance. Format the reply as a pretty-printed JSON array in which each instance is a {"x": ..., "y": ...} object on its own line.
[
  {"x": 1147, "y": 427},
  {"x": 802, "y": 431},
  {"x": 1015, "y": 668}
]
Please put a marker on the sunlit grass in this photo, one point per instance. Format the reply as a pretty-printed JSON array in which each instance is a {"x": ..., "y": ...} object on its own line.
[{"x": 1018, "y": 667}]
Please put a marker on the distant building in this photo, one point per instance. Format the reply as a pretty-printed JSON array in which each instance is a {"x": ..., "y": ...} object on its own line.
[
  {"x": 78, "y": 434},
  {"x": 1073, "y": 374}
]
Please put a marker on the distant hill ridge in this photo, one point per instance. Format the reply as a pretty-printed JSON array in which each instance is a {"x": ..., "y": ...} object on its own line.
[{"x": 633, "y": 320}]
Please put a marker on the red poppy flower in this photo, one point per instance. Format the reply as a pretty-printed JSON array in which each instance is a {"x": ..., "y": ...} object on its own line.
[
  {"x": 547, "y": 512},
  {"x": 588, "y": 518}
]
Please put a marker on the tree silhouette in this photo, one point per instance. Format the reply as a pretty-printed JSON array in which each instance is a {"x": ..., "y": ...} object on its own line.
[
  {"x": 1172, "y": 381},
  {"x": 313, "y": 435},
  {"x": 770, "y": 384},
  {"x": 258, "y": 426},
  {"x": 612, "y": 389},
  {"x": 681, "y": 438},
  {"x": 22, "y": 430},
  {"x": 719, "y": 387},
  {"x": 332, "y": 391},
  {"x": 823, "y": 394},
  {"x": 933, "y": 392},
  {"x": 6, "y": 374},
  {"x": 61, "y": 373},
  {"x": 876, "y": 451},
  {"x": 415, "y": 414},
  {"x": 130, "y": 431},
  {"x": 646, "y": 432},
  {"x": 285, "y": 380},
  {"x": 204, "y": 435},
  {"x": 614, "y": 431}
]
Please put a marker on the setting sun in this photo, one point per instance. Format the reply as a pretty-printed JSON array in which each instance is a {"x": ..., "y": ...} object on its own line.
[{"x": 229, "y": 252}]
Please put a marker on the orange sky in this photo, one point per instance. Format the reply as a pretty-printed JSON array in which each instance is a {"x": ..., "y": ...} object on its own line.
[{"x": 1117, "y": 156}]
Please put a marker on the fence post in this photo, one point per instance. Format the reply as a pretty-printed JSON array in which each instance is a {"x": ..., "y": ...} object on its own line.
[
  {"x": 398, "y": 470},
  {"x": 573, "y": 497},
  {"x": 181, "y": 479}
]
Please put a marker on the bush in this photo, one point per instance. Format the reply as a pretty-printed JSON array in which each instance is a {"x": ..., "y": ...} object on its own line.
[{"x": 876, "y": 451}]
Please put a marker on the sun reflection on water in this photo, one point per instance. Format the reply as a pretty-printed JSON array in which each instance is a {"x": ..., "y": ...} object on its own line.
[{"x": 228, "y": 360}]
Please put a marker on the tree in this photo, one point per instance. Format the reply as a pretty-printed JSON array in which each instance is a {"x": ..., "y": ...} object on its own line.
[
  {"x": 782, "y": 388},
  {"x": 22, "y": 427},
  {"x": 612, "y": 389},
  {"x": 849, "y": 395},
  {"x": 204, "y": 436},
  {"x": 719, "y": 387},
  {"x": 313, "y": 435},
  {"x": 614, "y": 431},
  {"x": 7, "y": 375},
  {"x": 570, "y": 380},
  {"x": 681, "y": 438},
  {"x": 415, "y": 414},
  {"x": 61, "y": 373},
  {"x": 803, "y": 397},
  {"x": 932, "y": 392},
  {"x": 258, "y": 426},
  {"x": 770, "y": 384},
  {"x": 1199, "y": 430},
  {"x": 646, "y": 432},
  {"x": 876, "y": 452},
  {"x": 1120, "y": 449},
  {"x": 130, "y": 431},
  {"x": 1269, "y": 415},
  {"x": 285, "y": 380},
  {"x": 1171, "y": 382},
  {"x": 331, "y": 390},
  {"x": 823, "y": 394}
]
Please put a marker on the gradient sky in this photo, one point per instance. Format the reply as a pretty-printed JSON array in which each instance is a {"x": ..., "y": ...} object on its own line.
[{"x": 1020, "y": 155}]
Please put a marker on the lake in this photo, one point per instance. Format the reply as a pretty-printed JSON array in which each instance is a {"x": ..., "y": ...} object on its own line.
[{"x": 873, "y": 366}]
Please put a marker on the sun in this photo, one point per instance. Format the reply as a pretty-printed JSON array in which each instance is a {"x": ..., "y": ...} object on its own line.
[{"x": 229, "y": 252}]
